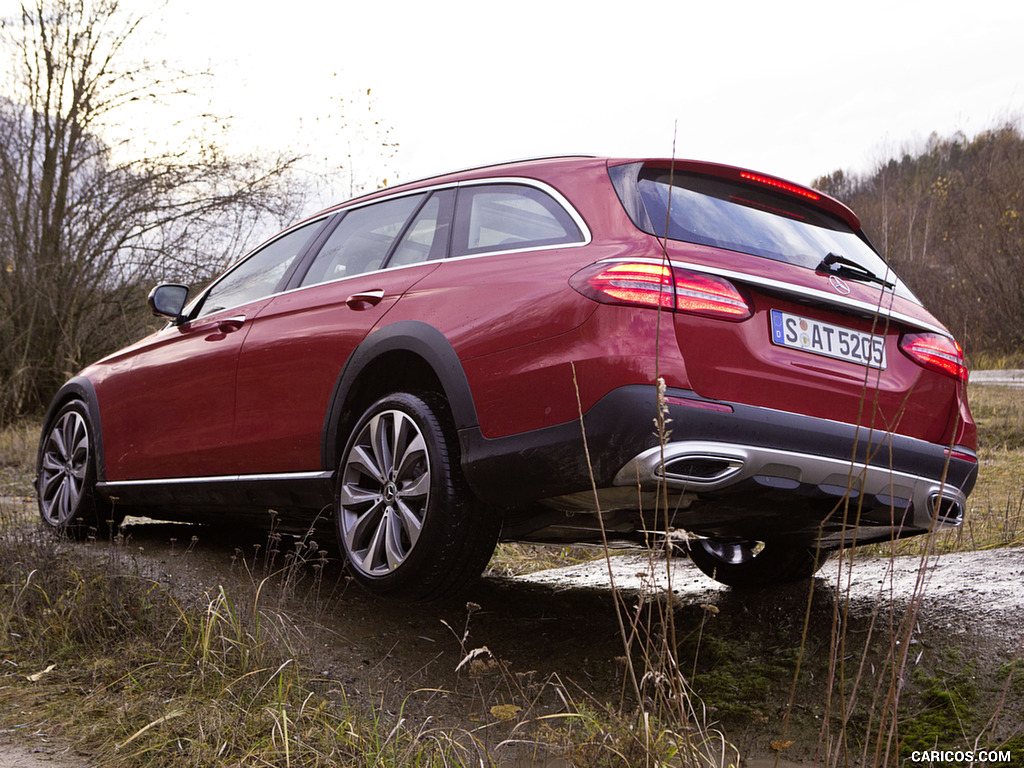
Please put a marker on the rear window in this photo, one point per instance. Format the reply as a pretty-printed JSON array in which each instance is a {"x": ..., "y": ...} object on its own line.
[{"x": 707, "y": 210}]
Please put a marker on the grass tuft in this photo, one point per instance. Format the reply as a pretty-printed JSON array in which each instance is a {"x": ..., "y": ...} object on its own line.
[
  {"x": 18, "y": 444},
  {"x": 99, "y": 653}
]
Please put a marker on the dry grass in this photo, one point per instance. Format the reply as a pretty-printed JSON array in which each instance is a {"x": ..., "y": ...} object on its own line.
[
  {"x": 18, "y": 458},
  {"x": 996, "y": 508},
  {"x": 107, "y": 658},
  {"x": 995, "y": 513},
  {"x": 515, "y": 559},
  {"x": 219, "y": 683},
  {"x": 996, "y": 361},
  {"x": 999, "y": 412}
]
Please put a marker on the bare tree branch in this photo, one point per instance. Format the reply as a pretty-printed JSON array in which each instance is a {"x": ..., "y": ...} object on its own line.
[{"x": 83, "y": 230}]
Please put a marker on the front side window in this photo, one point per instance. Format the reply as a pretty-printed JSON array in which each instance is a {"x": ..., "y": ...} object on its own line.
[
  {"x": 502, "y": 217},
  {"x": 362, "y": 240},
  {"x": 259, "y": 274}
]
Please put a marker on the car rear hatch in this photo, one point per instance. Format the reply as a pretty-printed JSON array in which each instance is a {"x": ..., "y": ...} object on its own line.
[{"x": 782, "y": 303}]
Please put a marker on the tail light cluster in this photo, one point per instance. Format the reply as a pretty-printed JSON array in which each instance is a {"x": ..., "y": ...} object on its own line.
[
  {"x": 644, "y": 284},
  {"x": 660, "y": 285},
  {"x": 936, "y": 352}
]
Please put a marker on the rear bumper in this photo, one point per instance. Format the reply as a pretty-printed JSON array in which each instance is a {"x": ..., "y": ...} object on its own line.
[
  {"x": 705, "y": 467},
  {"x": 780, "y": 471}
]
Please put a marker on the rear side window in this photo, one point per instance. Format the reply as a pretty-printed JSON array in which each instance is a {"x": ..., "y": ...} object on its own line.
[
  {"x": 426, "y": 239},
  {"x": 503, "y": 217}
]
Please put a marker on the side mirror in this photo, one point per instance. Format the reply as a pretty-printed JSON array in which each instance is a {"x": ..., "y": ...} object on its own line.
[{"x": 168, "y": 300}]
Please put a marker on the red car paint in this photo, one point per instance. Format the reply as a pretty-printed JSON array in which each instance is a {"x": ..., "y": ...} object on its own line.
[{"x": 524, "y": 343}]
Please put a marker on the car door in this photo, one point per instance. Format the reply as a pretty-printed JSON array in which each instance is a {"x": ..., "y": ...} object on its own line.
[
  {"x": 293, "y": 356},
  {"x": 179, "y": 412}
]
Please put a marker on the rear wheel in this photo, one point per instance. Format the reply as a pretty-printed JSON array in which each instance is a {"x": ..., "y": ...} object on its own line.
[
  {"x": 745, "y": 563},
  {"x": 407, "y": 522},
  {"x": 66, "y": 469}
]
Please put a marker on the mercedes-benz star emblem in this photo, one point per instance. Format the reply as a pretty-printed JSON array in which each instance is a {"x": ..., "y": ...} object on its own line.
[{"x": 839, "y": 284}]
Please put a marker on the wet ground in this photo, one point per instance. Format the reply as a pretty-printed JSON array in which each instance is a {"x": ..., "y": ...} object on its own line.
[{"x": 537, "y": 640}]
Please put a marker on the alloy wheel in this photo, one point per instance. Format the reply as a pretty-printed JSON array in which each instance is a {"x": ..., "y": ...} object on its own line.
[
  {"x": 384, "y": 493},
  {"x": 65, "y": 464}
]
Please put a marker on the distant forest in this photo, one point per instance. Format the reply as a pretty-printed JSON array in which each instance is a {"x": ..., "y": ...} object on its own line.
[{"x": 950, "y": 219}]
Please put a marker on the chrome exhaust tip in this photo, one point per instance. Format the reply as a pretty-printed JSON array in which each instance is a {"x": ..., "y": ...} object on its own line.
[
  {"x": 945, "y": 508},
  {"x": 700, "y": 469}
]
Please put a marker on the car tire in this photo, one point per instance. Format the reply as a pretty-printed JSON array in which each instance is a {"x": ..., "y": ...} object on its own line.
[
  {"x": 751, "y": 564},
  {"x": 406, "y": 521},
  {"x": 66, "y": 476}
]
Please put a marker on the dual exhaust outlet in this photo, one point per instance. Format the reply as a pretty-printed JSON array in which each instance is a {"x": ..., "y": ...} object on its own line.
[{"x": 704, "y": 467}]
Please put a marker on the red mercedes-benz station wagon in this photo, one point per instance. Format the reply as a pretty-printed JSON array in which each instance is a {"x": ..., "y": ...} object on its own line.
[{"x": 477, "y": 356}]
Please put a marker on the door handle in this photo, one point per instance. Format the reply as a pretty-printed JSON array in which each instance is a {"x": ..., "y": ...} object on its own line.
[
  {"x": 230, "y": 324},
  {"x": 358, "y": 300}
]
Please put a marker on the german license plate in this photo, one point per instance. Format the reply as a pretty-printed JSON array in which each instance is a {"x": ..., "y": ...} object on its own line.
[{"x": 826, "y": 339}]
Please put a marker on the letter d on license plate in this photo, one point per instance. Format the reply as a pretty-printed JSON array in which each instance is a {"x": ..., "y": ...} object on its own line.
[{"x": 826, "y": 339}]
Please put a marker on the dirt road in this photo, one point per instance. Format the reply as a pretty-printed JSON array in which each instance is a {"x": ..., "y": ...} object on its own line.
[{"x": 556, "y": 634}]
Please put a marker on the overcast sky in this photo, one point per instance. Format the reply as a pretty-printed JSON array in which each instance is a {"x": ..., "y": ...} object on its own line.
[{"x": 795, "y": 89}]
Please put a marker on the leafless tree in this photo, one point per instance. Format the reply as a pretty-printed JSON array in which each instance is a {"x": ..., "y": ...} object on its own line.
[
  {"x": 950, "y": 218},
  {"x": 87, "y": 222}
]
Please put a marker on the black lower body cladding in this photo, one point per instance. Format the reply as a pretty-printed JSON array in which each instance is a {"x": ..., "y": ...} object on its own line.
[{"x": 522, "y": 469}]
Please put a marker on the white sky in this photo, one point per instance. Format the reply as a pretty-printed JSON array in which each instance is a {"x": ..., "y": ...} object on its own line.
[{"x": 795, "y": 89}]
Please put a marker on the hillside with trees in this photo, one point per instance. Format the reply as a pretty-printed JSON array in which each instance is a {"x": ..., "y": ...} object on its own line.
[
  {"x": 92, "y": 213},
  {"x": 950, "y": 219}
]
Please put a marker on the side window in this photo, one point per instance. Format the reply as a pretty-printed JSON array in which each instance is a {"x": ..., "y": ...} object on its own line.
[
  {"x": 259, "y": 274},
  {"x": 502, "y": 217},
  {"x": 426, "y": 239},
  {"x": 361, "y": 241}
]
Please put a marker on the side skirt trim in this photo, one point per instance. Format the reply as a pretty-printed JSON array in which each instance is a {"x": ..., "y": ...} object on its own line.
[
  {"x": 111, "y": 487},
  {"x": 285, "y": 492}
]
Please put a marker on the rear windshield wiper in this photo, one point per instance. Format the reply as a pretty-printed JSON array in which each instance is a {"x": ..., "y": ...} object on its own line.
[{"x": 844, "y": 267}]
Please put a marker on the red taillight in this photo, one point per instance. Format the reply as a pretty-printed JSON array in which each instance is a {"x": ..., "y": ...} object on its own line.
[
  {"x": 939, "y": 353},
  {"x": 709, "y": 295},
  {"x": 657, "y": 285},
  {"x": 648, "y": 285}
]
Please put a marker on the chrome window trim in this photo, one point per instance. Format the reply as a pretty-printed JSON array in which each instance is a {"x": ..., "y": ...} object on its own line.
[
  {"x": 353, "y": 277},
  {"x": 542, "y": 186},
  {"x": 521, "y": 180},
  {"x": 798, "y": 290},
  {"x": 436, "y": 262},
  {"x": 487, "y": 181},
  {"x": 547, "y": 189}
]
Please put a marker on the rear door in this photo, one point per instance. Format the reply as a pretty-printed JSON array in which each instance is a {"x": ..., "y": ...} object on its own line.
[{"x": 294, "y": 354}]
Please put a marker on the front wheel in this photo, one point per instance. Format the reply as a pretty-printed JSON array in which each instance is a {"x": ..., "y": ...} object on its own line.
[
  {"x": 66, "y": 472},
  {"x": 407, "y": 522},
  {"x": 748, "y": 564}
]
